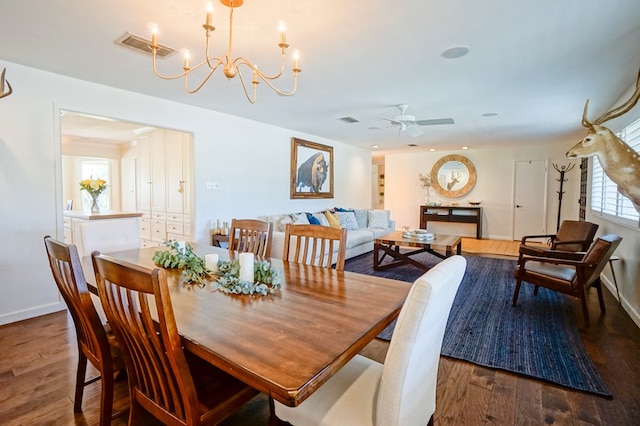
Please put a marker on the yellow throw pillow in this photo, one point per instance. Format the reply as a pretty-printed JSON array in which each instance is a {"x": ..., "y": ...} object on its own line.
[{"x": 333, "y": 219}]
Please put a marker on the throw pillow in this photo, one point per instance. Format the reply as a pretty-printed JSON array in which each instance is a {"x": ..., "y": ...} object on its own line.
[
  {"x": 333, "y": 219},
  {"x": 362, "y": 216},
  {"x": 340, "y": 209},
  {"x": 282, "y": 223},
  {"x": 348, "y": 220},
  {"x": 379, "y": 219},
  {"x": 320, "y": 217},
  {"x": 312, "y": 219},
  {"x": 300, "y": 219}
]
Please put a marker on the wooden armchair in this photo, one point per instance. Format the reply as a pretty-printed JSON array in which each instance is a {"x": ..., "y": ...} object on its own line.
[
  {"x": 569, "y": 273},
  {"x": 572, "y": 235},
  {"x": 173, "y": 386},
  {"x": 251, "y": 235},
  {"x": 96, "y": 343},
  {"x": 315, "y": 245}
]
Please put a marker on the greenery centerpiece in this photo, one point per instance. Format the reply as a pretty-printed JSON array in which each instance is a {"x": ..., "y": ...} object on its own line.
[
  {"x": 227, "y": 279},
  {"x": 94, "y": 188}
]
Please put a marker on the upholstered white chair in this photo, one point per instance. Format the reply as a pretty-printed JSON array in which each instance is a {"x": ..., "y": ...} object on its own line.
[
  {"x": 402, "y": 392},
  {"x": 107, "y": 235}
]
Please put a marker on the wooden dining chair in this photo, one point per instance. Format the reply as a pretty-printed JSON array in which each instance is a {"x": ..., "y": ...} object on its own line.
[
  {"x": 173, "y": 386},
  {"x": 251, "y": 235},
  {"x": 568, "y": 273},
  {"x": 315, "y": 245},
  {"x": 402, "y": 391},
  {"x": 96, "y": 343}
]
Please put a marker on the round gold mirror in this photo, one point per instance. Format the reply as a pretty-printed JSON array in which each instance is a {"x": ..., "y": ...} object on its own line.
[{"x": 453, "y": 176}]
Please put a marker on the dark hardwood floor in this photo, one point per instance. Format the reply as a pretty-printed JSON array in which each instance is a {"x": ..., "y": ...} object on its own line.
[{"x": 38, "y": 361}]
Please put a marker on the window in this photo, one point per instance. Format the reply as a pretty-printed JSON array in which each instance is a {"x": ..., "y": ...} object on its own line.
[
  {"x": 95, "y": 169},
  {"x": 605, "y": 198}
]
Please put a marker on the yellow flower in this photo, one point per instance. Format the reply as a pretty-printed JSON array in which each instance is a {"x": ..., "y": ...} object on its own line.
[{"x": 93, "y": 186}]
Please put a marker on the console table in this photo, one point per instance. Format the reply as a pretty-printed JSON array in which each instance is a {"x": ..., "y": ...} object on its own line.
[{"x": 453, "y": 214}]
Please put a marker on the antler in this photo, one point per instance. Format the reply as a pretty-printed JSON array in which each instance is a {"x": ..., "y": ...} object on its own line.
[
  {"x": 2, "y": 83},
  {"x": 617, "y": 112},
  {"x": 585, "y": 121}
]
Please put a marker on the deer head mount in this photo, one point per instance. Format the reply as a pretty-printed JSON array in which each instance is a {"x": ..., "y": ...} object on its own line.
[
  {"x": 619, "y": 161},
  {"x": 2, "y": 84}
]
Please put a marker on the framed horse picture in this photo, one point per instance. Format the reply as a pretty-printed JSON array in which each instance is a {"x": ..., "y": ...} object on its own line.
[{"x": 311, "y": 169}]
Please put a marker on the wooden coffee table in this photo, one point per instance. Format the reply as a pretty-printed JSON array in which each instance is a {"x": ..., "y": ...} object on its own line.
[{"x": 389, "y": 244}]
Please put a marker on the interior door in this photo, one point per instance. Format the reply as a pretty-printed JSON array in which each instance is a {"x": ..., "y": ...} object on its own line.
[{"x": 530, "y": 198}]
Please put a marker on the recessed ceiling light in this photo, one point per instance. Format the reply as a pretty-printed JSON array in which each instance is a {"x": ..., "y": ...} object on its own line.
[
  {"x": 455, "y": 52},
  {"x": 374, "y": 146},
  {"x": 465, "y": 147},
  {"x": 432, "y": 149},
  {"x": 489, "y": 114}
]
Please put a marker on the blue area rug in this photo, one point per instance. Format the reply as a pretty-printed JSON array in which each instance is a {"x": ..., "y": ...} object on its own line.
[{"x": 538, "y": 338}]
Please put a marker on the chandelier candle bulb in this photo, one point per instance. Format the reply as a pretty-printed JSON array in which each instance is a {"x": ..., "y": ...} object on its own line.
[
  {"x": 296, "y": 61},
  {"x": 186, "y": 60},
  {"x": 154, "y": 36},
  {"x": 246, "y": 266},
  {"x": 283, "y": 36},
  {"x": 211, "y": 262},
  {"x": 209, "y": 14}
]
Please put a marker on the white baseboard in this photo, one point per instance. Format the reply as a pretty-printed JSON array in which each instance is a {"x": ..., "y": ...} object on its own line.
[
  {"x": 32, "y": 312},
  {"x": 629, "y": 309}
]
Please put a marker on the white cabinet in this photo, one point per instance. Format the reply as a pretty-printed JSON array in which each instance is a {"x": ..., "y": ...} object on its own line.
[
  {"x": 157, "y": 145},
  {"x": 164, "y": 185},
  {"x": 143, "y": 178}
]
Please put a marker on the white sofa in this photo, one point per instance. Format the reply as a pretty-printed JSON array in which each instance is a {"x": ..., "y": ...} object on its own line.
[{"x": 363, "y": 226}]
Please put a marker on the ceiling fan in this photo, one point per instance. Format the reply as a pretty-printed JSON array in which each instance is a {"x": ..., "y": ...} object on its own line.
[{"x": 408, "y": 123}]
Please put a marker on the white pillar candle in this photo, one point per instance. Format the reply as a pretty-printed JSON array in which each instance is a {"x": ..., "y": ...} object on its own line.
[
  {"x": 211, "y": 262},
  {"x": 246, "y": 267}
]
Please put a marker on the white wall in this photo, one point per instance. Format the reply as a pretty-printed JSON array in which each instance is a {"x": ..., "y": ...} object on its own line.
[
  {"x": 30, "y": 172},
  {"x": 494, "y": 187}
]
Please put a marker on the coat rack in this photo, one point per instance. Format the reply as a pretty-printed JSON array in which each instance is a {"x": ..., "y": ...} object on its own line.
[{"x": 562, "y": 170}]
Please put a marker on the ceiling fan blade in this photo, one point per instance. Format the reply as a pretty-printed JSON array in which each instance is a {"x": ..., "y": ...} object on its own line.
[
  {"x": 414, "y": 131},
  {"x": 435, "y": 121},
  {"x": 394, "y": 122}
]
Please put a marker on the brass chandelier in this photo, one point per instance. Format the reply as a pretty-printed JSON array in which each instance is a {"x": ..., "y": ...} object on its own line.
[{"x": 230, "y": 65}]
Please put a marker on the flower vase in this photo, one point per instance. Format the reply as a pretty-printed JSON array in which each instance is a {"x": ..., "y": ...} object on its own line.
[
  {"x": 94, "y": 204},
  {"x": 427, "y": 198}
]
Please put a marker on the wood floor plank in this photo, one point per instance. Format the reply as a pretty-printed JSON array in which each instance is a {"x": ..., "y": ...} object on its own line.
[{"x": 502, "y": 404}]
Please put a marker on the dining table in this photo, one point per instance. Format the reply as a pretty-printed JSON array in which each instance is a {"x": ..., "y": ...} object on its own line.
[{"x": 285, "y": 344}]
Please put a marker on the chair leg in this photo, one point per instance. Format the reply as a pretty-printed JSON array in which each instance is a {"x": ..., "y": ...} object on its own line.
[
  {"x": 137, "y": 414},
  {"x": 598, "y": 286},
  {"x": 516, "y": 292},
  {"x": 106, "y": 399},
  {"x": 80, "y": 375},
  {"x": 585, "y": 311}
]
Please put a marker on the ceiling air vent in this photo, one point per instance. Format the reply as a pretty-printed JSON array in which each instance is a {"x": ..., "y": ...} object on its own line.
[
  {"x": 141, "y": 44},
  {"x": 349, "y": 120}
]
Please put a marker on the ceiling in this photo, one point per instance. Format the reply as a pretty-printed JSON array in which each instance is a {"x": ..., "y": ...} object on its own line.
[{"x": 531, "y": 64}]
